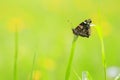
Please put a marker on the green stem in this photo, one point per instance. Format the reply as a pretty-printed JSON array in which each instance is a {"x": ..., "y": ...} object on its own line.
[
  {"x": 102, "y": 50},
  {"x": 100, "y": 36},
  {"x": 33, "y": 64},
  {"x": 103, "y": 57},
  {"x": 117, "y": 77},
  {"x": 71, "y": 58},
  {"x": 16, "y": 54},
  {"x": 79, "y": 78}
]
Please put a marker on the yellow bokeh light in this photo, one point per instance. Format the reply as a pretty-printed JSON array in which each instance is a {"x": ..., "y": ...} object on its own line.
[
  {"x": 106, "y": 28},
  {"x": 49, "y": 64},
  {"x": 14, "y": 23},
  {"x": 37, "y": 75},
  {"x": 101, "y": 21}
]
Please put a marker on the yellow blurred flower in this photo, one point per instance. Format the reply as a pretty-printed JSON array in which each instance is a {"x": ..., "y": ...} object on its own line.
[
  {"x": 100, "y": 20},
  {"x": 49, "y": 64},
  {"x": 106, "y": 28},
  {"x": 36, "y": 75},
  {"x": 14, "y": 23}
]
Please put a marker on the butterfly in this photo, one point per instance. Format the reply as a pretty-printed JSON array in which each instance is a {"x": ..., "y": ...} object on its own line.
[{"x": 83, "y": 29}]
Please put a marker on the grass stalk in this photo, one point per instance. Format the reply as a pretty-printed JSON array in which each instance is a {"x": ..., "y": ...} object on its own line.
[
  {"x": 117, "y": 77},
  {"x": 71, "y": 58},
  {"x": 33, "y": 64},
  {"x": 86, "y": 75},
  {"x": 79, "y": 78},
  {"x": 16, "y": 54},
  {"x": 102, "y": 50},
  {"x": 101, "y": 37}
]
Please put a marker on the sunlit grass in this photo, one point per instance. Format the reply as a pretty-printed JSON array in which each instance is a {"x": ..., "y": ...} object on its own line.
[
  {"x": 102, "y": 49},
  {"x": 16, "y": 54},
  {"x": 117, "y": 77},
  {"x": 99, "y": 31},
  {"x": 33, "y": 65},
  {"x": 68, "y": 71},
  {"x": 36, "y": 75},
  {"x": 76, "y": 74},
  {"x": 86, "y": 75}
]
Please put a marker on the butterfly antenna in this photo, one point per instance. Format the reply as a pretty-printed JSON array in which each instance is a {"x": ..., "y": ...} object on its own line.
[{"x": 92, "y": 25}]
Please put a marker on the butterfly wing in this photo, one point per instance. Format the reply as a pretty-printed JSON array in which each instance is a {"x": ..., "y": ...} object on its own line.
[{"x": 83, "y": 29}]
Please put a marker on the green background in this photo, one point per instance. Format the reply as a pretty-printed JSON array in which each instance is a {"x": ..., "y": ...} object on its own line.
[{"x": 44, "y": 30}]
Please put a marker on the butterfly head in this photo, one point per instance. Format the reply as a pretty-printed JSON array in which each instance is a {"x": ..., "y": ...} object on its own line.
[{"x": 87, "y": 22}]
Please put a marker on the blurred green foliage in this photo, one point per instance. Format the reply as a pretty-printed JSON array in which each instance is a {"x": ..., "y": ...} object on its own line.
[{"x": 43, "y": 29}]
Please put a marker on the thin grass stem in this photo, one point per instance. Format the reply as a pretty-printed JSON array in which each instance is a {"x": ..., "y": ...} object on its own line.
[
  {"x": 33, "y": 65},
  {"x": 117, "y": 77},
  {"x": 76, "y": 74},
  {"x": 102, "y": 49},
  {"x": 71, "y": 58},
  {"x": 86, "y": 75},
  {"x": 101, "y": 37},
  {"x": 16, "y": 54}
]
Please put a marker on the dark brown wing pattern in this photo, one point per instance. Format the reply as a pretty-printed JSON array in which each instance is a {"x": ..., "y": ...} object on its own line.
[{"x": 83, "y": 29}]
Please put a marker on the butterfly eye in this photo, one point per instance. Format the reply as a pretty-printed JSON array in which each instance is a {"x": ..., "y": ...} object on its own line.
[{"x": 90, "y": 21}]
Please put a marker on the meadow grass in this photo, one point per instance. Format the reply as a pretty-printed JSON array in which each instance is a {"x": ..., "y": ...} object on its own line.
[
  {"x": 117, "y": 77},
  {"x": 78, "y": 77},
  {"x": 71, "y": 58},
  {"x": 72, "y": 54},
  {"x": 16, "y": 57},
  {"x": 86, "y": 75},
  {"x": 16, "y": 54},
  {"x": 33, "y": 65},
  {"x": 102, "y": 49},
  {"x": 99, "y": 31}
]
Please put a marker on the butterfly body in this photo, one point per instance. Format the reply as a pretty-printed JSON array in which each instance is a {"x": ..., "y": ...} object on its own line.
[{"x": 83, "y": 29}]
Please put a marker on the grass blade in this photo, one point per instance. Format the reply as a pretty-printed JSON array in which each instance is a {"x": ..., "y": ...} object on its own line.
[
  {"x": 118, "y": 77},
  {"x": 33, "y": 64},
  {"x": 86, "y": 75},
  {"x": 16, "y": 54},
  {"x": 100, "y": 36},
  {"x": 79, "y": 78},
  {"x": 102, "y": 49},
  {"x": 71, "y": 58}
]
